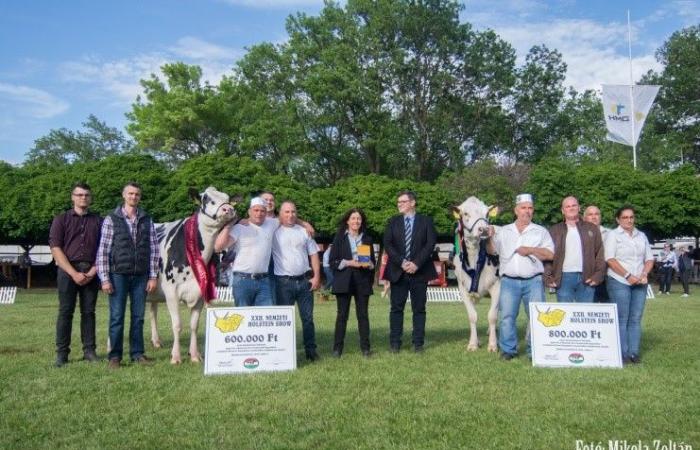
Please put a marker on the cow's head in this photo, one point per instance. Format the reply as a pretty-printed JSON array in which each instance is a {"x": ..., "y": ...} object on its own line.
[
  {"x": 473, "y": 216},
  {"x": 215, "y": 206}
]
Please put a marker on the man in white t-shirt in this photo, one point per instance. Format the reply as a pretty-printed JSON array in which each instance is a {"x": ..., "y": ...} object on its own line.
[
  {"x": 252, "y": 244},
  {"x": 593, "y": 215},
  {"x": 522, "y": 247},
  {"x": 292, "y": 249},
  {"x": 579, "y": 264}
]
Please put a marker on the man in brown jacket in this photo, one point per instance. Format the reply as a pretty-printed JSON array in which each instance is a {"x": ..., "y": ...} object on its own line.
[{"x": 579, "y": 264}]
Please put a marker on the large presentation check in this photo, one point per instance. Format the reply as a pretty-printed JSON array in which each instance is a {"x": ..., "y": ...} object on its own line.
[
  {"x": 251, "y": 339},
  {"x": 575, "y": 335}
]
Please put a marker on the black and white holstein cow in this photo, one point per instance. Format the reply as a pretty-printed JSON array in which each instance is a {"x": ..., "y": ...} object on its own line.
[
  {"x": 476, "y": 270},
  {"x": 187, "y": 273}
]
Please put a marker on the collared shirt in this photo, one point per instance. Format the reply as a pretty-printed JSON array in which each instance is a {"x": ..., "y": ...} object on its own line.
[
  {"x": 508, "y": 240},
  {"x": 105, "y": 248},
  {"x": 77, "y": 235},
  {"x": 630, "y": 251},
  {"x": 253, "y": 245},
  {"x": 291, "y": 248}
]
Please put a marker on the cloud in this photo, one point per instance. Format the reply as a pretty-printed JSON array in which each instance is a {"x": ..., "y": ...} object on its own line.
[
  {"x": 195, "y": 48},
  {"x": 31, "y": 102},
  {"x": 595, "y": 53},
  {"x": 119, "y": 80}
]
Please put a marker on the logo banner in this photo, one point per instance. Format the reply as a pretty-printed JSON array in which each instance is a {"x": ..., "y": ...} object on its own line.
[{"x": 617, "y": 108}]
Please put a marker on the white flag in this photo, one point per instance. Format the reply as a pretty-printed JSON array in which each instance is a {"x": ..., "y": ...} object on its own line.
[{"x": 617, "y": 108}]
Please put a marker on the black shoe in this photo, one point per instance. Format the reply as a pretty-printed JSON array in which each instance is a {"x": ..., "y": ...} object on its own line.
[
  {"x": 394, "y": 349},
  {"x": 366, "y": 353},
  {"x": 337, "y": 353},
  {"x": 508, "y": 356},
  {"x": 90, "y": 357},
  {"x": 312, "y": 356},
  {"x": 418, "y": 348},
  {"x": 626, "y": 360},
  {"x": 634, "y": 359},
  {"x": 61, "y": 360}
]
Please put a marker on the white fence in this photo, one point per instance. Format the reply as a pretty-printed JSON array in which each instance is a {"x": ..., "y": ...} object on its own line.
[
  {"x": 7, "y": 295},
  {"x": 225, "y": 295}
]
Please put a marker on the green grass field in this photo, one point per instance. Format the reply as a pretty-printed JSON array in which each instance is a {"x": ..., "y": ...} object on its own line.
[{"x": 444, "y": 398}]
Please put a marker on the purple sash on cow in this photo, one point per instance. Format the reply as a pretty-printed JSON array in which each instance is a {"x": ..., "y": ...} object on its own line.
[{"x": 205, "y": 274}]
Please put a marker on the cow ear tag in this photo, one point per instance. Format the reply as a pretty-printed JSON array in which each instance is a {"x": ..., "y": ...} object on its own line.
[
  {"x": 493, "y": 211},
  {"x": 455, "y": 213}
]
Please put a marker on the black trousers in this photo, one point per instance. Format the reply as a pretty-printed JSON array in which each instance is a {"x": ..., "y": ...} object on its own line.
[
  {"x": 341, "y": 319},
  {"x": 68, "y": 294},
  {"x": 685, "y": 279},
  {"x": 399, "y": 294},
  {"x": 666, "y": 276}
]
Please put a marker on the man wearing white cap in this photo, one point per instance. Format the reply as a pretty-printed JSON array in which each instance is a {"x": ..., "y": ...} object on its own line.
[
  {"x": 522, "y": 246},
  {"x": 252, "y": 243}
]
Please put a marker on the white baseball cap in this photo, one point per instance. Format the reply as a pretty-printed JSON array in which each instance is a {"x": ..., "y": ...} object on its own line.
[
  {"x": 523, "y": 198},
  {"x": 258, "y": 201}
]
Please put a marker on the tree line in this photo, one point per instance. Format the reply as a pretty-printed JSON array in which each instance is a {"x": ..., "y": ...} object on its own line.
[{"x": 368, "y": 98}]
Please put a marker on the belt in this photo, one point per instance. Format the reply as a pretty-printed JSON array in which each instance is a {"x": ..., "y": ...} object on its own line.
[
  {"x": 253, "y": 276},
  {"x": 522, "y": 278},
  {"x": 290, "y": 277},
  {"x": 81, "y": 264}
]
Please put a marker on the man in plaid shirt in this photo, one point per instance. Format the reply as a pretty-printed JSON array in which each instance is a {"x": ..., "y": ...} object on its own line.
[{"x": 127, "y": 264}]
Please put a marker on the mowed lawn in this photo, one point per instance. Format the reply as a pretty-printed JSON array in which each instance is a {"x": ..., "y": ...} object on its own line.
[{"x": 446, "y": 397}]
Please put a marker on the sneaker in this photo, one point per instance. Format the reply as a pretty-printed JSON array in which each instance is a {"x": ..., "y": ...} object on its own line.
[
  {"x": 114, "y": 363},
  {"x": 668, "y": 293},
  {"x": 61, "y": 360},
  {"x": 90, "y": 357},
  {"x": 634, "y": 359},
  {"x": 660, "y": 293},
  {"x": 684, "y": 295},
  {"x": 143, "y": 360},
  {"x": 366, "y": 353},
  {"x": 337, "y": 353}
]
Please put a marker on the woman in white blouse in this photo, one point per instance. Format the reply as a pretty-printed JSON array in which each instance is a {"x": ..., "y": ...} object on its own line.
[{"x": 629, "y": 258}]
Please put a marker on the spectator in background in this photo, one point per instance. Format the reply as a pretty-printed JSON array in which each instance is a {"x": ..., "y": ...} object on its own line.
[
  {"x": 669, "y": 261},
  {"x": 685, "y": 269},
  {"x": 327, "y": 270}
]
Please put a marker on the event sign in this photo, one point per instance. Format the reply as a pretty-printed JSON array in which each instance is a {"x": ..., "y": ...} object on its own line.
[
  {"x": 575, "y": 335},
  {"x": 250, "y": 339}
]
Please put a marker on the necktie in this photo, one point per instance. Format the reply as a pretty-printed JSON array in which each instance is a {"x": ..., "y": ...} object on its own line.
[{"x": 408, "y": 230}]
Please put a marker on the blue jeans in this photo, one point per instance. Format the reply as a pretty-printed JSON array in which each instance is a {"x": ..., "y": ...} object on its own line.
[
  {"x": 630, "y": 302},
  {"x": 250, "y": 292},
  {"x": 299, "y": 291},
  {"x": 513, "y": 291},
  {"x": 328, "y": 272},
  {"x": 135, "y": 287},
  {"x": 573, "y": 289}
]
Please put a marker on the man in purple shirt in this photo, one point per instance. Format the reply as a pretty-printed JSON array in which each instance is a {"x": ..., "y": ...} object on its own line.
[
  {"x": 73, "y": 241},
  {"x": 127, "y": 264}
]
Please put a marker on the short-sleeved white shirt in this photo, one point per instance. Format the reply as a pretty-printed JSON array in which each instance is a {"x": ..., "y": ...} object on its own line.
[
  {"x": 291, "y": 248},
  {"x": 630, "y": 251},
  {"x": 253, "y": 246},
  {"x": 508, "y": 240}
]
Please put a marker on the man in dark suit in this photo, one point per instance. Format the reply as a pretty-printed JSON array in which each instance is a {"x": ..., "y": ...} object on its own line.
[{"x": 409, "y": 240}]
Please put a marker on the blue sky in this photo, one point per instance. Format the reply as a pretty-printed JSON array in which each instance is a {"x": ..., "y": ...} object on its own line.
[{"x": 61, "y": 61}]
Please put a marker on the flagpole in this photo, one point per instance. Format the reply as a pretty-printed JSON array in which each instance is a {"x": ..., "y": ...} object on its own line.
[{"x": 629, "y": 44}]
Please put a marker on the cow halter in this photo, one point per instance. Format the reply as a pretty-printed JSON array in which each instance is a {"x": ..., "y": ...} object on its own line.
[{"x": 203, "y": 208}]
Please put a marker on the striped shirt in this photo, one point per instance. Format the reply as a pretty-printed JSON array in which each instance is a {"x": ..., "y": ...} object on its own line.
[{"x": 105, "y": 247}]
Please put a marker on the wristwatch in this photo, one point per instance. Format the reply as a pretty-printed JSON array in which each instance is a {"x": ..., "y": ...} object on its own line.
[{"x": 627, "y": 275}]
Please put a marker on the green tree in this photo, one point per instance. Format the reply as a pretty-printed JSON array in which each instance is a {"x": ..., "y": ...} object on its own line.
[
  {"x": 677, "y": 115},
  {"x": 64, "y": 146}
]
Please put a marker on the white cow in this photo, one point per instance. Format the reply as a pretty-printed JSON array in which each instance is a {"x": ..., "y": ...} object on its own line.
[
  {"x": 177, "y": 280},
  {"x": 472, "y": 261}
]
